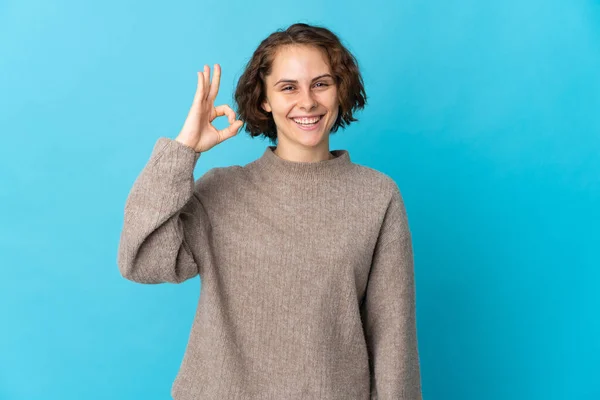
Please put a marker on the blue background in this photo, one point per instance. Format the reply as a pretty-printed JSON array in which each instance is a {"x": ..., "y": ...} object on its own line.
[{"x": 487, "y": 115}]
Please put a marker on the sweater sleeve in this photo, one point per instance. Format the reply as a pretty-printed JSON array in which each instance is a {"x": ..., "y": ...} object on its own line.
[
  {"x": 162, "y": 216},
  {"x": 388, "y": 310}
]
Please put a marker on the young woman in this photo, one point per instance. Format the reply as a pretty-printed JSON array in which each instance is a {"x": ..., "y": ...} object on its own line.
[{"x": 305, "y": 258}]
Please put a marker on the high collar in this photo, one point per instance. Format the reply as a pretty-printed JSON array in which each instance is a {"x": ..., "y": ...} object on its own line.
[{"x": 303, "y": 171}]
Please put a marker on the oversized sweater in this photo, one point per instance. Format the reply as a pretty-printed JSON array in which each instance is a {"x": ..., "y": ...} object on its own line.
[{"x": 306, "y": 271}]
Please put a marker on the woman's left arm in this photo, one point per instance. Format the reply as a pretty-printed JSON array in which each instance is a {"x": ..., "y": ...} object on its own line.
[{"x": 388, "y": 310}]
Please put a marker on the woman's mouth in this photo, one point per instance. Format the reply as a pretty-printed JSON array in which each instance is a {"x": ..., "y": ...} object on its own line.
[{"x": 308, "y": 124}]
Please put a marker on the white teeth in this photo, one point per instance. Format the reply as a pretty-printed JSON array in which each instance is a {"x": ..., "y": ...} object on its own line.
[{"x": 307, "y": 120}]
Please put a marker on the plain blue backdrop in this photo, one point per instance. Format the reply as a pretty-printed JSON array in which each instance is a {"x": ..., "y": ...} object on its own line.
[{"x": 486, "y": 113}]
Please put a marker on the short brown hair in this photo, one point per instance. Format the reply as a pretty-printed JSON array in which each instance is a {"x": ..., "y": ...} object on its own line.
[{"x": 250, "y": 91}]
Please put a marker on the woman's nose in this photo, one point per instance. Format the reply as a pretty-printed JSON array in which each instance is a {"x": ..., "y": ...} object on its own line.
[{"x": 307, "y": 100}]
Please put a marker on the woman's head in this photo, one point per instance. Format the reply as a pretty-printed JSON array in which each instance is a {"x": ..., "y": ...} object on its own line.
[{"x": 302, "y": 71}]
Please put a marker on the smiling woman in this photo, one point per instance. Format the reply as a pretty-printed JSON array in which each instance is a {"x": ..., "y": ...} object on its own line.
[
  {"x": 305, "y": 257},
  {"x": 300, "y": 85}
]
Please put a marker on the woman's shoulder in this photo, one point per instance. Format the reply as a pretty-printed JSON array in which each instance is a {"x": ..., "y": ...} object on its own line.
[
  {"x": 218, "y": 177},
  {"x": 375, "y": 179}
]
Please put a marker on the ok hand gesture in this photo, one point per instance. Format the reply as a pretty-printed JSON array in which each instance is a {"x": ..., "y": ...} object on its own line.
[{"x": 198, "y": 131}]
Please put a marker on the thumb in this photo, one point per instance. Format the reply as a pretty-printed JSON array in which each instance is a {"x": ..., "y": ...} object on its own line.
[{"x": 231, "y": 130}]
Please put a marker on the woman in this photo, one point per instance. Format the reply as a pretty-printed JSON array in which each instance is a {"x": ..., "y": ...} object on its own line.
[{"x": 305, "y": 258}]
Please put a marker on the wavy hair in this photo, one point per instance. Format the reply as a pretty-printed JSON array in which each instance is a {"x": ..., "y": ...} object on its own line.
[{"x": 250, "y": 91}]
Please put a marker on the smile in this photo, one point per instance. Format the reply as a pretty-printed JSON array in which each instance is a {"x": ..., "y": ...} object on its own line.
[{"x": 308, "y": 123}]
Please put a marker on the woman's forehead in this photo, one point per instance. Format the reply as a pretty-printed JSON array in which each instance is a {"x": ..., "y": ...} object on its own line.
[{"x": 299, "y": 63}]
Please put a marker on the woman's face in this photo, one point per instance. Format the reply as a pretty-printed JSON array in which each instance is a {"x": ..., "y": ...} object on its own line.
[{"x": 301, "y": 85}]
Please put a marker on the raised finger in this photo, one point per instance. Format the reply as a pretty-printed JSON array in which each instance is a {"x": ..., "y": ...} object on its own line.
[
  {"x": 200, "y": 87},
  {"x": 226, "y": 110},
  {"x": 206, "y": 74},
  {"x": 214, "y": 85}
]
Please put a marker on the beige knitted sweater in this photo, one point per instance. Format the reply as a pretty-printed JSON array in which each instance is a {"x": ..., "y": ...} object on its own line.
[{"x": 306, "y": 270}]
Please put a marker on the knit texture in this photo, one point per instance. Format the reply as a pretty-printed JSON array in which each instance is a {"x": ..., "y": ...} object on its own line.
[{"x": 306, "y": 271}]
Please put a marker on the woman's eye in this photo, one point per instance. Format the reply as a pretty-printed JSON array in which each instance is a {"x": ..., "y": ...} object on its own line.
[{"x": 318, "y": 84}]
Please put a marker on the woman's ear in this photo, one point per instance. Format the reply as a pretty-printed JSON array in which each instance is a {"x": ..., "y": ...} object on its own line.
[{"x": 266, "y": 106}]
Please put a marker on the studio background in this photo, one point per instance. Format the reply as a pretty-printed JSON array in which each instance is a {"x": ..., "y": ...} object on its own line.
[{"x": 486, "y": 114}]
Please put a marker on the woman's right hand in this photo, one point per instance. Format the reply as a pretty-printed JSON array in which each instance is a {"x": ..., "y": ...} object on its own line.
[{"x": 198, "y": 131}]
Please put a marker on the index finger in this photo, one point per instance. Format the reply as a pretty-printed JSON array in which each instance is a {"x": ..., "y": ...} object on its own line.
[{"x": 214, "y": 85}]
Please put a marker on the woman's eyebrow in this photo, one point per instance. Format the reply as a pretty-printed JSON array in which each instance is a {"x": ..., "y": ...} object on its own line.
[{"x": 295, "y": 81}]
